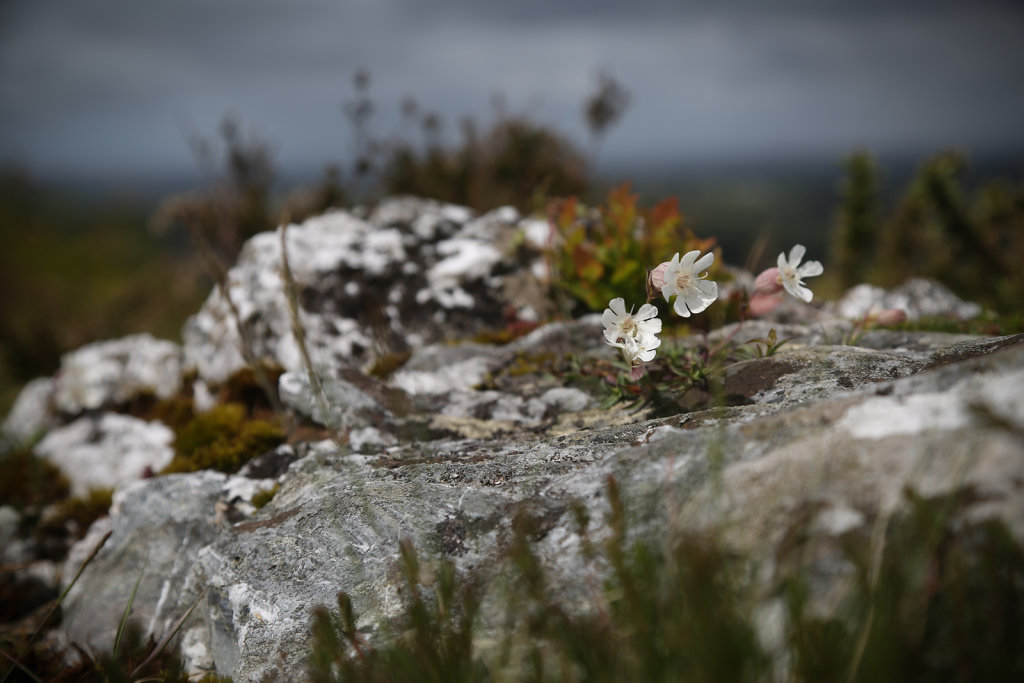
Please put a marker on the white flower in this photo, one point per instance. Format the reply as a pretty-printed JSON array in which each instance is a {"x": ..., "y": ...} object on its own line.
[
  {"x": 791, "y": 273},
  {"x": 684, "y": 279},
  {"x": 634, "y": 333}
]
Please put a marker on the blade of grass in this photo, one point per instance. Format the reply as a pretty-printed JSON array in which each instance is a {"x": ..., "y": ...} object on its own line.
[
  {"x": 60, "y": 599},
  {"x": 167, "y": 638},
  {"x": 21, "y": 666},
  {"x": 127, "y": 611},
  {"x": 339, "y": 433}
]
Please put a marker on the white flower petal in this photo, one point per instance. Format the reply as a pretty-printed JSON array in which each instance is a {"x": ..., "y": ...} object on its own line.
[
  {"x": 694, "y": 301},
  {"x": 810, "y": 269},
  {"x": 796, "y": 254},
  {"x": 618, "y": 306},
  {"x": 782, "y": 262},
  {"x": 704, "y": 262},
  {"x": 687, "y": 262},
  {"x": 646, "y": 312},
  {"x": 680, "y": 307}
]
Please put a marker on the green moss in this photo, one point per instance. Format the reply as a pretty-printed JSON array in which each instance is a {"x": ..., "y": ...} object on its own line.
[
  {"x": 223, "y": 439},
  {"x": 26, "y": 480},
  {"x": 261, "y": 498},
  {"x": 175, "y": 412}
]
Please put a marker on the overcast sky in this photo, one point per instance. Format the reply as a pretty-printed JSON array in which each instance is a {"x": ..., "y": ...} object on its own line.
[{"x": 102, "y": 88}]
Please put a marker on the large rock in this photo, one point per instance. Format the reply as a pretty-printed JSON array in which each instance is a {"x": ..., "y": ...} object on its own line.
[
  {"x": 840, "y": 430},
  {"x": 451, "y": 437},
  {"x": 413, "y": 273}
]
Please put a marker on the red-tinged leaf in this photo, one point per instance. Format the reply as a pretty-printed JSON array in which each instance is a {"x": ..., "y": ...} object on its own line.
[
  {"x": 620, "y": 210},
  {"x": 665, "y": 214},
  {"x": 566, "y": 214}
]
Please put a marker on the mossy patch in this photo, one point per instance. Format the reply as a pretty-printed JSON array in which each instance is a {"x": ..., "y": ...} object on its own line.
[
  {"x": 30, "y": 481},
  {"x": 223, "y": 439},
  {"x": 263, "y": 497}
]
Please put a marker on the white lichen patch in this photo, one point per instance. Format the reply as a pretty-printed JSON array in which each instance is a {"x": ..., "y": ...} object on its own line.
[
  {"x": 30, "y": 415},
  {"x": 105, "y": 452},
  {"x": 953, "y": 408},
  {"x": 115, "y": 371},
  {"x": 888, "y": 416},
  {"x": 459, "y": 375}
]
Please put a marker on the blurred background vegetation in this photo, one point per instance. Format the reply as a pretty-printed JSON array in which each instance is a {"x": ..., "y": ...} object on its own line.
[{"x": 80, "y": 265}]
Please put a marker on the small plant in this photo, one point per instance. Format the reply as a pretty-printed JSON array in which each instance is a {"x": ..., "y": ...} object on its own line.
[{"x": 597, "y": 255}]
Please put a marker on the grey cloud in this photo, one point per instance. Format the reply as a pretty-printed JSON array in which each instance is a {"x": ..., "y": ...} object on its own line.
[{"x": 715, "y": 77}]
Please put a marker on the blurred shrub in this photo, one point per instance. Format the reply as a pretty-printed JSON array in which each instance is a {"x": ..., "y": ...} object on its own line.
[
  {"x": 857, "y": 225},
  {"x": 971, "y": 240},
  {"x": 74, "y": 269},
  {"x": 514, "y": 161},
  {"x": 600, "y": 254}
]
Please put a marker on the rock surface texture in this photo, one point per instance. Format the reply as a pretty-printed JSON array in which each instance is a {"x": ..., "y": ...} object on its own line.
[{"x": 446, "y": 447}]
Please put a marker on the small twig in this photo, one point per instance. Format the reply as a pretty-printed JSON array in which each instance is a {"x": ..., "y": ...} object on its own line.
[
  {"x": 340, "y": 436},
  {"x": 219, "y": 274}
]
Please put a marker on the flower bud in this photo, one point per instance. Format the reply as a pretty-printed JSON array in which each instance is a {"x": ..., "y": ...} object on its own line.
[
  {"x": 768, "y": 283},
  {"x": 763, "y": 304},
  {"x": 657, "y": 277},
  {"x": 891, "y": 316}
]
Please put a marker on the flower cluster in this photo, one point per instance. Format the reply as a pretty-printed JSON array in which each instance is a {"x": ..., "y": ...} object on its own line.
[
  {"x": 636, "y": 334},
  {"x": 686, "y": 279}
]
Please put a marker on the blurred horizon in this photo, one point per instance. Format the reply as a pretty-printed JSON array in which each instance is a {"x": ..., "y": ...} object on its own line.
[{"x": 112, "y": 93}]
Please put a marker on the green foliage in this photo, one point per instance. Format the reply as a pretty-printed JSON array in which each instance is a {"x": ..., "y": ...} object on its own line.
[
  {"x": 432, "y": 640},
  {"x": 941, "y": 599},
  {"x": 972, "y": 240},
  {"x": 606, "y": 253},
  {"x": 30, "y": 481},
  {"x": 74, "y": 269},
  {"x": 989, "y": 323},
  {"x": 932, "y": 596},
  {"x": 857, "y": 228},
  {"x": 223, "y": 439},
  {"x": 669, "y": 610},
  {"x": 511, "y": 162}
]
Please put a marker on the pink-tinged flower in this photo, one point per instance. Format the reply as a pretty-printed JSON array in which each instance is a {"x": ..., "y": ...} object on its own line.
[
  {"x": 685, "y": 279},
  {"x": 635, "y": 334},
  {"x": 656, "y": 279},
  {"x": 763, "y": 304},
  {"x": 891, "y": 316},
  {"x": 791, "y": 273},
  {"x": 768, "y": 282}
]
